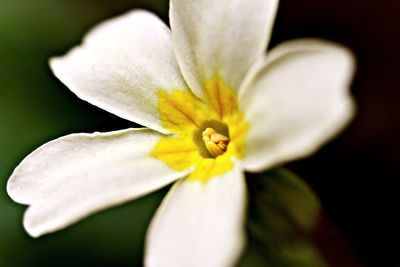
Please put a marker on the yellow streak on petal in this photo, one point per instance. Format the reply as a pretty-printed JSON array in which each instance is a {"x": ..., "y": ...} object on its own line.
[
  {"x": 182, "y": 113},
  {"x": 208, "y": 168},
  {"x": 238, "y": 134},
  {"x": 178, "y": 152},
  {"x": 221, "y": 97}
]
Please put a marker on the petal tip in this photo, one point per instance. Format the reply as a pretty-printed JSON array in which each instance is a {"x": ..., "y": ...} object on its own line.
[
  {"x": 14, "y": 190},
  {"x": 30, "y": 228}
]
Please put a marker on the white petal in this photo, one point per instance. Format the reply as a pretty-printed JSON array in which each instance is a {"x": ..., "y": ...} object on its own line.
[
  {"x": 199, "y": 224},
  {"x": 69, "y": 178},
  {"x": 220, "y": 37},
  {"x": 121, "y": 65},
  {"x": 297, "y": 100}
]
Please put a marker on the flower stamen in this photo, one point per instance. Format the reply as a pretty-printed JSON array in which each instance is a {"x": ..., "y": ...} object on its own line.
[{"x": 215, "y": 142}]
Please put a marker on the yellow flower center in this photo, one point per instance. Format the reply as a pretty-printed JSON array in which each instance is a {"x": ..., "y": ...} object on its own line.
[
  {"x": 207, "y": 134},
  {"x": 215, "y": 142}
]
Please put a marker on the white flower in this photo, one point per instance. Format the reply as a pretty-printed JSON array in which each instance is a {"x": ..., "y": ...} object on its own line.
[{"x": 214, "y": 104}]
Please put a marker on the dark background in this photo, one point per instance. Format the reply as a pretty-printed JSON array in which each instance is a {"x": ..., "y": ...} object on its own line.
[{"x": 356, "y": 175}]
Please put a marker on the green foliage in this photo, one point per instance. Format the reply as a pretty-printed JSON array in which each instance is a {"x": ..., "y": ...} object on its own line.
[{"x": 282, "y": 213}]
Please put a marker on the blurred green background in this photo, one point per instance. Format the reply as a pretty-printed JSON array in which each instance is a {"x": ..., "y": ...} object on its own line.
[
  {"x": 35, "y": 108},
  {"x": 355, "y": 176}
]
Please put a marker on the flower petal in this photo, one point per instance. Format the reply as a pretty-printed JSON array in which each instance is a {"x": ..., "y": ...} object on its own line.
[
  {"x": 221, "y": 37},
  {"x": 298, "y": 99},
  {"x": 69, "y": 178},
  {"x": 199, "y": 224},
  {"x": 121, "y": 66}
]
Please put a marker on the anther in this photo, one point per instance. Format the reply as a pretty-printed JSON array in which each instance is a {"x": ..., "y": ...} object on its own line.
[{"x": 215, "y": 142}]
